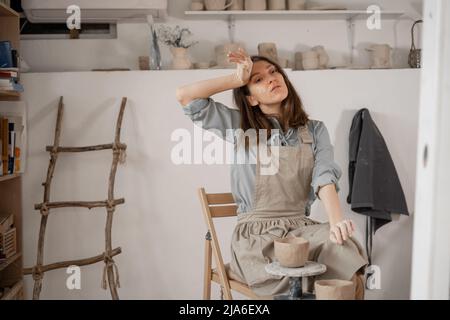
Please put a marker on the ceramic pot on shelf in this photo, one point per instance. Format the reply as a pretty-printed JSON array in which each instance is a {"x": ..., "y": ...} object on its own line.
[
  {"x": 255, "y": 5},
  {"x": 323, "y": 56},
  {"x": 269, "y": 50},
  {"x": 237, "y": 5},
  {"x": 381, "y": 56},
  {"x": 217, "y": 5},
  {"x": 296, "y": 4},
  {"x": 181, "y": 59},
  {"x": 277, "y": 4}
]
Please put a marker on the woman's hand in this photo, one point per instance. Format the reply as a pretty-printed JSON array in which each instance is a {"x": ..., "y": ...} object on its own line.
[
  {"x": 342, "y": 231},
  {"x": 244, "y": 65}
]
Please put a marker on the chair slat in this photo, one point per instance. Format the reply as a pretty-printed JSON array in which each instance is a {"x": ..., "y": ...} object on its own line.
[
  {"x": 220, "y": 198},
  {"x": 223, "y": 211}
]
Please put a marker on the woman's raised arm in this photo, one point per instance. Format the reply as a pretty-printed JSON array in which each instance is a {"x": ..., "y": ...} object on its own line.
[{"x": 207, "y": 88}]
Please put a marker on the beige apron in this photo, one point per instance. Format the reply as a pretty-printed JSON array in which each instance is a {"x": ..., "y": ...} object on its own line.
[{"x": 279, "y": 210}]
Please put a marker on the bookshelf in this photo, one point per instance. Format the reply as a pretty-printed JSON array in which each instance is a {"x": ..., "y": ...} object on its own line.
[
  {"x": 10, "y": 31},
  {"x": 11, "y": 274}
]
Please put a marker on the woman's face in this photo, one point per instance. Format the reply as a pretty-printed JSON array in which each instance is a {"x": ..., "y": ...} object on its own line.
[{"x": 266, "y": 85}]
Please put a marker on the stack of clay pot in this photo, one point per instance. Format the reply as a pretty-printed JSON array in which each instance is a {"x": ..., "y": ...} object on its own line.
[{"x": 316, "y": 58}]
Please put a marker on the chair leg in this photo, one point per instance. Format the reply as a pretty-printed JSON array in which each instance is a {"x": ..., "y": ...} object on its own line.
[{"x": 207, "y": 274}]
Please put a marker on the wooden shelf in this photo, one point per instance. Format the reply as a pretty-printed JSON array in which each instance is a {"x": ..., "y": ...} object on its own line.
[
  {"x": 303, "y": 14},
  {"x": 9, "y": 261},
  {"x": 7, "y": 11},
  {"x": 9, "y": 95},
  {"x": 10, "y": 176},
  {"x": 14, "y": 291}
]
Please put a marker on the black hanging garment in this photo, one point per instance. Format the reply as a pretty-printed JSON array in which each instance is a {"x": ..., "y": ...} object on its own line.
[{"x": 374, "y": 187}]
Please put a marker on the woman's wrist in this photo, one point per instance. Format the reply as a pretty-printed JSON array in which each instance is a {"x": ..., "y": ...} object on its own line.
[
  {"x": 235, "y": 81},
  {"x": 336, "y": 218}
]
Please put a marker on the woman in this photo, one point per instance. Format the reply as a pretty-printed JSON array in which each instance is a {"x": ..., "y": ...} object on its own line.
[{"x": 272, "y": 206}]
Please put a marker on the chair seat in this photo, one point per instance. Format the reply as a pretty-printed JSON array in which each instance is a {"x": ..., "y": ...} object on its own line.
[{"x": 235, "y": 283}]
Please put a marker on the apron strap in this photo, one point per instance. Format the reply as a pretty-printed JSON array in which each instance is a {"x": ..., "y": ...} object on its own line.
[{"x": 305, "y": 135}]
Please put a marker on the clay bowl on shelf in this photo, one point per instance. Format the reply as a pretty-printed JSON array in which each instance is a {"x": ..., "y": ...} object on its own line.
[{"x": 292, "y": 252}]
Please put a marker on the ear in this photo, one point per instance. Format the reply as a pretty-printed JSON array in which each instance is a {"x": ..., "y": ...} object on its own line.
[{"x": 252, "y": 101}]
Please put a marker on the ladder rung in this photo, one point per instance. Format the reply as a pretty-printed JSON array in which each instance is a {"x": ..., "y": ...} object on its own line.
[
  {"x": 79, "y": 263},
  {"x": 83, "y": 204},
  {"x": 86, "y": 149}
]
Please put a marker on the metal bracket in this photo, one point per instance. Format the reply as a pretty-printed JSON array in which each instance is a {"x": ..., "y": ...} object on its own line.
[
  {"x": 231, "y": 27},
  {"x": 351, "y": 37}
]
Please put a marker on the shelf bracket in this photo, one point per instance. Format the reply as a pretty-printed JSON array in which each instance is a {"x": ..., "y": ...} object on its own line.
[
  {"x": 231, "y": 27},
  {"x": 351, "y": 37}
]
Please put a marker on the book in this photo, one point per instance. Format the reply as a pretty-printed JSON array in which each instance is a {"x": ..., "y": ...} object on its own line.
[
  {"x": 6, "y": 59},
  {"x": 11, "y": 147},
  {"x": 4, "y": 137}
]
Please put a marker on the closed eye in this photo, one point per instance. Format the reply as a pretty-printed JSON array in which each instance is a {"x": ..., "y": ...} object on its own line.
[{"x": 273, "y": 70}]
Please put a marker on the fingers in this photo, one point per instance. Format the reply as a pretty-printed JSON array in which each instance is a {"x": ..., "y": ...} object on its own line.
[
  {"x": 347, "y": 228},
  {"x": 333, "y": 237},
  {"x": 342, "y": 231},
  {"x": 353, "y": 225},
  {"x": 337, "y": 234},
  {"x": 240, "y": 53}
]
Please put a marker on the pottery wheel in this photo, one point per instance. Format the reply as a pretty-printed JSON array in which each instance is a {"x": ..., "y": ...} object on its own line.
[{"x": 311, "y": 268}]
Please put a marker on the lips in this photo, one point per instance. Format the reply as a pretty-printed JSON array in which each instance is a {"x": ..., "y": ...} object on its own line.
[{"x": 273, "y": 89}]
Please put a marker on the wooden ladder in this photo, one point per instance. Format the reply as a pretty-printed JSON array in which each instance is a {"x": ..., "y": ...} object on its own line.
[{"x": 110, "y": 270}]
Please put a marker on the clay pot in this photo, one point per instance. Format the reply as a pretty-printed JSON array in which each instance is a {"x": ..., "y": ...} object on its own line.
[
  {"x": 323, "y": 56},
  {"x": 217, "y": 5},
  {"x": 181, "y": 59},
  {"x": 237, "y": 5},
  {"x": 277, "y": 5},
  {"x": 296, "y": 4},
  {"x": 381, "y": 56},
  {"x": 334, "y": 290},
  {"x": 269, "y": 50},
  {"x": 197, "y": 6},
  {"x": 292, "y": 252},
  {"x": 255, "y": 5}
]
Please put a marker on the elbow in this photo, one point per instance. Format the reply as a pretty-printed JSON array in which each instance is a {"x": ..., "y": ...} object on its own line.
[
  {"x": 180, "y": 94},
  {"x": 182, "y": 97}
]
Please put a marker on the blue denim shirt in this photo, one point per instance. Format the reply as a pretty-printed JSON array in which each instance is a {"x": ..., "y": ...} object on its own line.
[{"x": 214, "y": 116}]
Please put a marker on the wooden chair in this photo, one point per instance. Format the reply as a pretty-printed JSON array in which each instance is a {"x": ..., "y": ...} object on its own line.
[{"x": 219, "y": 205}]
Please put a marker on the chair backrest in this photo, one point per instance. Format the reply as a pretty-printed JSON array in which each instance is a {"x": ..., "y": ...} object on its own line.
[{"x": 217, "y": 205}]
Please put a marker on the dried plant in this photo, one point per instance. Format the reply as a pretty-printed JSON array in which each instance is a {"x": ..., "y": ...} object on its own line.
[{"x": 175, "y": 37}]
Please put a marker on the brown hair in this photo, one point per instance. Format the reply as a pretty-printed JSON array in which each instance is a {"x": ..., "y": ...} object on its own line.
[{"x": 293, "y": 114}]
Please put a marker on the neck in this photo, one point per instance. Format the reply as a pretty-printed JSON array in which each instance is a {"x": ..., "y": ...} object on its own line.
[{"x": 271, "y": 109}]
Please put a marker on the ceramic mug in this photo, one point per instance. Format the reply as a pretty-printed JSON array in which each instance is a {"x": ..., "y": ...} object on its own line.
[
  {"x": 237, "y": 5},
  {"x": 197, "y": 6},
  {"x": 258, "y": 5},
  {"x": 217, "y": 5},
  {"x": 277, "y": 4},
  {"x": 296, "y": 4}
]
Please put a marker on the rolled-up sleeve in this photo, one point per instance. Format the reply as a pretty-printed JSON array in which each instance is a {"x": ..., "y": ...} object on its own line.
[
  {"x": 326, "y": 170},
  {"x": 210, "y": 114}
]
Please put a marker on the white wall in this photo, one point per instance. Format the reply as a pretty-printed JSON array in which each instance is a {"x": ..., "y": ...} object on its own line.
[
  {"x": 290, "y": 35},
  {"x": 160, "y": 228}
]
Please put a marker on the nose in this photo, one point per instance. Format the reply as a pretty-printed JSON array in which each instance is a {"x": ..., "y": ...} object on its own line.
[{"x": 271, "y": 78}]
